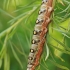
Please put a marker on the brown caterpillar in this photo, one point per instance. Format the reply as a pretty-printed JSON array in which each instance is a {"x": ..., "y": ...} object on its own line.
[{"x": 39, "y": 34}]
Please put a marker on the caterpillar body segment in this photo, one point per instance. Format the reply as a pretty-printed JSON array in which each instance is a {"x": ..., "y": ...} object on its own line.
[{"x": 39, "y": 34}]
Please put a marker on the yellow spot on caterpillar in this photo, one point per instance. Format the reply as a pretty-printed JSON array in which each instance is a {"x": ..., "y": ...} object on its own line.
[
  {"x": 30, "y": 58},
  {"x": 33, "y": 41},
  {"x": 34, "y": 32},
  {"x": 37, "y": 21},
  {"x": 31, "y": 50}
]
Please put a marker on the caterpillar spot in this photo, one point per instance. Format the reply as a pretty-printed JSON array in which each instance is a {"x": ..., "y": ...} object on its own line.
[
  {"x": 30, "y": 58},
  {"x": 35, "y": 41},
  {"x": 40, "y": 12},
  {"x": 35, "y": 32},
  {"x": 32, "y": 50},
  {"x": 39, "y": 21}
]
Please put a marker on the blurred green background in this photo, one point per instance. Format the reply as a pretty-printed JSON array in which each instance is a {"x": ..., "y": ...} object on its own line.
[{"x": 17, "y": 20}]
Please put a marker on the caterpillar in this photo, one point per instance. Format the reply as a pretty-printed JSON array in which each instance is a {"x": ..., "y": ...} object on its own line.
[{"x": 39, "y": 34}]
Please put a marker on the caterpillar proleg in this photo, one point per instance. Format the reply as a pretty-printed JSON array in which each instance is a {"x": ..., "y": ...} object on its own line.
[{"x": 39, "y": 34}]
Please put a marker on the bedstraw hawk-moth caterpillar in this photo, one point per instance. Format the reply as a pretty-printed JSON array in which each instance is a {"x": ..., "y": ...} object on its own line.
[{"x": 39, "y": 34}]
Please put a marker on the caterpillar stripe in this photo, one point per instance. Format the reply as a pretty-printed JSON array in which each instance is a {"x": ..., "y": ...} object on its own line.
[{"x": 39, "y": 34}]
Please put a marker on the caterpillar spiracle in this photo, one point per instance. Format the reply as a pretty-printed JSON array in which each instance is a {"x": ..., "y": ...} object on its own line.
[{"x": 39, "y": 34}]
